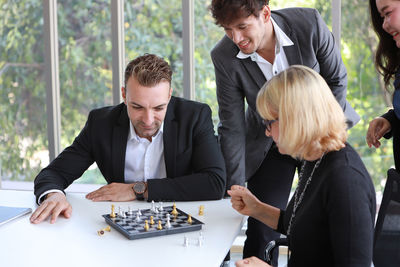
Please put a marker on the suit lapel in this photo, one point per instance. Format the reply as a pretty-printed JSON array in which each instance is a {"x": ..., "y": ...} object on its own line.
[
  {"x": 170, "y": 135},
  {"x": 254, "y": 71},
  {"x": 119, "y": 141},
  {"x": 292, "y": 52}
]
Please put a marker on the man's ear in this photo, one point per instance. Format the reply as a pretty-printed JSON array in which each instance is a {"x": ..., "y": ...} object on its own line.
[
  {"x": 123, "y": 93},
  {"x": 170, "y": 93},
  {"x": 266, "y": 13}
]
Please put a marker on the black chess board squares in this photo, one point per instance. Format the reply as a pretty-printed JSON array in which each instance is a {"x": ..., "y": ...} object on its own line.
[{"x": 135, "y": 230}]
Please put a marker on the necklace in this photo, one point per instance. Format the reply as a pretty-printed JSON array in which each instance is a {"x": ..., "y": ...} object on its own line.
[{"x": 297, "y": 198}]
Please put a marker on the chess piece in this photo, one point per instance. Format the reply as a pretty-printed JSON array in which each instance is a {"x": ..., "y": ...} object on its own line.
[
  {"x": 102, "y": 231},
  {"x": 174, "y": 211},
  {"x": 112, "y": 214},
  {"x": 159, "y": 226},
  {"x": 201, "y": 210},
  {"x": 168, "y": 223},
  {"x": 138, "y": 217},
  {"x": 152, "y": 206},
  {"x": 189, "y": 220},
  {"x": 139, "y": 212},
  {"x": 201, "y": 237},
  {"x": 130, "y": 211},
  {"x": 121, "y": 213},
  {"x": 146, "y": 225},
  {"x": 161, "y": 208},
  {"x": 151, "y": 220},
  {"x": 185, "y": 241}
]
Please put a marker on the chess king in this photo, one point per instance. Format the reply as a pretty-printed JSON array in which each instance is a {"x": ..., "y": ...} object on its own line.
[{"x": 153, "y": 146}]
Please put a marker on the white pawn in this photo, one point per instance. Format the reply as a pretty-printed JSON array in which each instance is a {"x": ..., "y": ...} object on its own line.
[
  {"x": 161, "y": 208},
  {"x": 201, "y": 238},
  {"x": 138, "y": 217},
  {"x": 139, "y": 212},
  {"x": 130, "y": 212},
  {"x": 121, "y": 213},
  {"x": 152, "y": 205},
  {"x": 156, "y": 210},
  {"x": 185, "y": 241},
  {"x": 168, "y": 223}
]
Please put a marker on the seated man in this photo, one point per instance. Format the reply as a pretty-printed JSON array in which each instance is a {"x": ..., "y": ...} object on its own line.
[{"x": 153, "y": 146}]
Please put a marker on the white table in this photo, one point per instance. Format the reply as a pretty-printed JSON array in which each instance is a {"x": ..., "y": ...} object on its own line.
[{"x": 74, "y": 242}]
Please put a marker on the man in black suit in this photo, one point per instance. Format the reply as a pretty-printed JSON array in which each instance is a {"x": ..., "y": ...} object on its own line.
[{"x": 153, "y": 146}]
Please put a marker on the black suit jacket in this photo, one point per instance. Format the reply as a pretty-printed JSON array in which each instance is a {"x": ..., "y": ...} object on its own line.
[{"x": 194, "y": 163}]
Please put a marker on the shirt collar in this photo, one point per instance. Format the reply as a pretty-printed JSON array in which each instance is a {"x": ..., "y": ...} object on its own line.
[
  {"x": 281, "y": 40},
  {"x": 133, "y": 136}
]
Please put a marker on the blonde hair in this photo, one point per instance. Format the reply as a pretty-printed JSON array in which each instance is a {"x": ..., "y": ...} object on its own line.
[{"x": 311, "y": 121}]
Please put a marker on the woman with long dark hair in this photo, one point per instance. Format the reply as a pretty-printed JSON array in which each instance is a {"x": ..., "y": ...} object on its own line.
[{"x": 385, "y": 15}]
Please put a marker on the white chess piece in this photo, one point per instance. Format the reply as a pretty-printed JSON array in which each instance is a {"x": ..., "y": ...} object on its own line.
[
  {"x": 152, "y": 206},
  {"x": 130, "y": 212},
  {"x": 161, "y": 208},
  {"x": 185, "y": 241},
  {"x": 138, "y": 217},
  {"x": 139, "y": 212},
  {"x": 122, "y": 213},
  {"x": 168, "y": 223},
  {"x": 200, "y": 239}
]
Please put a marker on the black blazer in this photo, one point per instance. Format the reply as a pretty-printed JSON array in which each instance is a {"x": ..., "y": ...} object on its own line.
[{"x": 194, "y": 163}]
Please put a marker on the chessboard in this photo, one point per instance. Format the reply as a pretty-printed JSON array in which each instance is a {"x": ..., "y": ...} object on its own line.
[{"x": 133, "y": 228}]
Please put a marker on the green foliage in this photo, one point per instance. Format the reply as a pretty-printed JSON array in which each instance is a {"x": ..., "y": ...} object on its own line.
[
  {"x": 22, "y": 91},
  {"x": 156, "y": 27}
]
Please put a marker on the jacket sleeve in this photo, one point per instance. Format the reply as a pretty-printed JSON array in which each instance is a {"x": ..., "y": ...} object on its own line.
[
  {"x": 232, "y": 127},
  {"x": 68, "y": 166}
]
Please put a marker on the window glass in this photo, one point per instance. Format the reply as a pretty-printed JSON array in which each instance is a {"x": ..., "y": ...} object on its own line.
[
  {"x": 23, "y": 134},
  {"x": 207, "y": 34},
  {"x": 84, "y": 29},
  {"x": 156, "y": 27},
  {"x": 366, "y": 91}
]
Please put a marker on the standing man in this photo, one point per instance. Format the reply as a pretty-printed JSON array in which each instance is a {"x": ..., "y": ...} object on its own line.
[
  {"x": 153, "y": 146},
  {"x": 260, "y": 43}
]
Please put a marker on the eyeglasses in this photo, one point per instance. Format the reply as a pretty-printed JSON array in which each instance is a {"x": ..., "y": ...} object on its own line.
[{"x": 267, "y": 124}]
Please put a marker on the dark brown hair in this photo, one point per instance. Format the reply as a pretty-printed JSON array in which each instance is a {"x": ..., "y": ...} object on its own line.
[
  {"x": 226, "y": 11},
  {"x": 149, "y": 70},
  {"x": 387, "y": 57}
]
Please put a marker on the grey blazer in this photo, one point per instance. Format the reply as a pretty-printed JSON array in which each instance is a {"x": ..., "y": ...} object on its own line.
[{"x": 244, "y": 144}]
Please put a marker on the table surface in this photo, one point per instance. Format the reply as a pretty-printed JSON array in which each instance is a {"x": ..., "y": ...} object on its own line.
[{"x": 75, "y": 242}]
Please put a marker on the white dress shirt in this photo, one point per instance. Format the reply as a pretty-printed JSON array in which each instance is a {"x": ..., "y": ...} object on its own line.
[
  {"x": 280, "y": 63},
  {"x": 144, "y": 159}
]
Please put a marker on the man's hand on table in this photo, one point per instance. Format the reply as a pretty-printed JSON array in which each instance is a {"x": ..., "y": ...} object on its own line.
[
  {"x": 55, "y": 204},
  {"x": 113, "y": 192}
]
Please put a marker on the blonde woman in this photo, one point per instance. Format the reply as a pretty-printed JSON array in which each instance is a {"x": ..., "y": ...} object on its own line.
[{"x": 330, "y": 219}]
